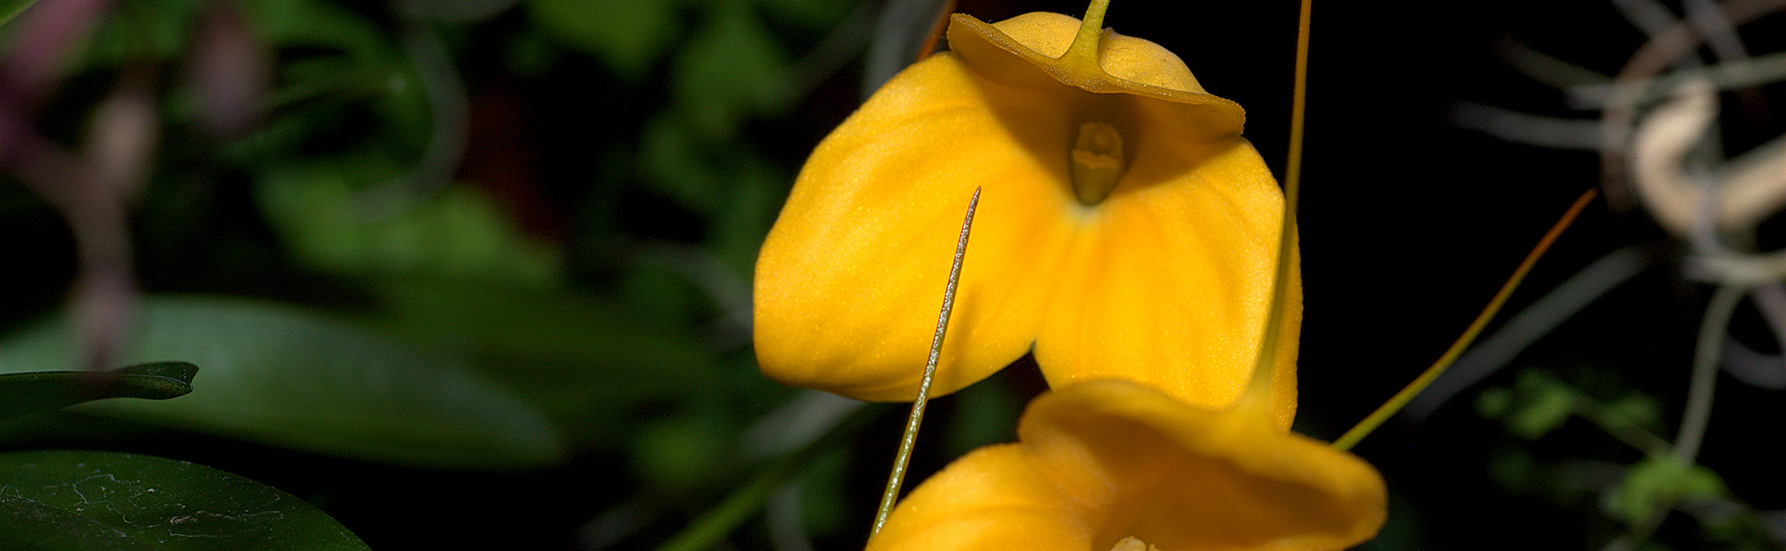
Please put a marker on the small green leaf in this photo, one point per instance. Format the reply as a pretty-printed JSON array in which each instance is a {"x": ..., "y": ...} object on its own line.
[
  {"x": 1542, "y": 404},
  {"x": 87, "y": 500},
  {"x": 1637, "y": 409},
  {"x": 23, "y": 393},
  {"x": 1495, "y": 402},
  {"x": 282, "y": 376},
  {"x": 1658, "y": 483}
]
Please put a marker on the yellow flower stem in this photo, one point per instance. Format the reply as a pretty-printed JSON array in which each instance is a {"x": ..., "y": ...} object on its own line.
[
  {"x": 1298, "y": 112},
  {"x": 1258, "y": 393},
  {"x": 1376, "y": 418},
  {"x": 910, "y": 439},
  {"x": 938, "y": 28},
  {"x": 1083, "y": 52}
]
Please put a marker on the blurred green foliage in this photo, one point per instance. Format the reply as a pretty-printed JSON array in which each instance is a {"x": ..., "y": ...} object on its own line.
[
  {"x": 627, "y": 36},
  {"x": 455, "y": 237},
  {"x": 1636, "y": 486},
  {"x": 1655, "y": 484}
]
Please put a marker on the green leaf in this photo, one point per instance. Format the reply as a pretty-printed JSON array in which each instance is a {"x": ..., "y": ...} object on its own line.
[
  {"x": 1658, "y": 483},
  {"x": 1495, "y": 402},
  {"x": 282, "y": 376},
  {"x": 1637, "y": 409},
  {"x": 92, "y": 501},
  {"x": 595, "y": 365},
  {"x": 22, "y": 393},
  {"x": 1542, "y": 404}
]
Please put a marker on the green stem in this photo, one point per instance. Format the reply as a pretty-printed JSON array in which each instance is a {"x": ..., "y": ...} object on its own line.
[
  {"x": 1705, "y": 371},
  {"x": 1376, "y": 418},
  {"x": 1258, "y": 392},
  {"x": 712, "y": 528},
  {"x": 1084, "y": 49},
  {"x": 910, "y": 439},
  {"x": 1619, "y": 426}
]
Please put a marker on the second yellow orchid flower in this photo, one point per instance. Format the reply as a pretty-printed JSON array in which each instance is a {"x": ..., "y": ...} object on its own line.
[{"x": 1113, "y": 465}]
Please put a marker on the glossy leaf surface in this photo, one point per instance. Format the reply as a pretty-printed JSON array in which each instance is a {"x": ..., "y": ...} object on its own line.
[
  {"x": 23, "y": 393},
  {"x": 286, "y": 377},
  {"x": 101, "y": 501}
]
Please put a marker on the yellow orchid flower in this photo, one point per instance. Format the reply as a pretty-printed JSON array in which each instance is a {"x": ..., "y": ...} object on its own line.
[
  {"x": 1115, "y": 465},
  {"x": 1126, "y": 228}
]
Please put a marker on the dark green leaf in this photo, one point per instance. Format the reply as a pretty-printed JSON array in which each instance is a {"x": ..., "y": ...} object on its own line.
[
  {"x": 285, "y": 377},
  {"x": 22, "y": 393},
  {"x": 594, "y": 365},
  {"x": 87, "y": 500}
]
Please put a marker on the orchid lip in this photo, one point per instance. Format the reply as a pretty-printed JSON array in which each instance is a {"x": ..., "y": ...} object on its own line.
[{"x": 1096, "y": 162}]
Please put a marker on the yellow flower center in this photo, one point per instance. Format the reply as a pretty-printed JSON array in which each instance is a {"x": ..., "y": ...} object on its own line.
[
  {"x": 1097, "y": 162},
  {"x": 1132, "y": 544}
]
